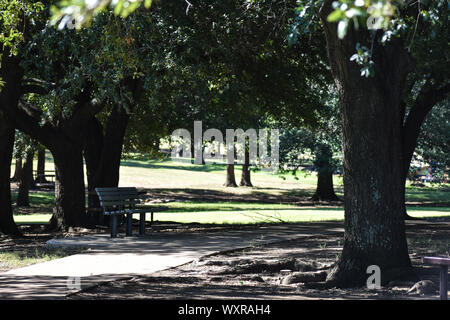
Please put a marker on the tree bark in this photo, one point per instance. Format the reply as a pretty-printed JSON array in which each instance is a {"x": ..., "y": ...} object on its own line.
[
  {"x": 26, "y": 181},
  {"x": 69, "y": 208},
  {"x": 245, "y": 177},
  {"x": 373, "y": 162},
  {"x": 325, "y": 189},
  {"x": 10, "y": 93},
  {"x": 231, "y": 179},
  {"x": 17, "y": 170},
  {"x": 92, "y": 155},
  {"x": 103, "y": 153},
  {"x": 41, "y": 167},
  {"x": 7, "y": 224}
]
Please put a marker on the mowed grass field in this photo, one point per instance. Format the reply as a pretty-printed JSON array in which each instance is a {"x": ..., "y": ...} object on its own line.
[{"x": 197, "y": 195}]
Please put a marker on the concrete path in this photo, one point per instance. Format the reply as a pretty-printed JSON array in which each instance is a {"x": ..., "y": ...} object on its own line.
[{"x": 110, "y": 259}]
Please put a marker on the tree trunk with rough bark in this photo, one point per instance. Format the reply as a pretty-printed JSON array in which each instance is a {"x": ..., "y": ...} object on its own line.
[
  {"x": 92, "y": 155},
  {"x": 7, "y": 224},
  {"x": 325, "y": 189},
  {"x": 41, "y": 167},
  {"x": 372, "y": 150},
  {"x": 26, "y": 181},
  {"x": 103, "y": 153},
  {"x": 231, "y": 179},
  {"x": 245, "y": 177},
  {"x": 9, "y": 98},
  {"x": 17, "y": 170},
  {"x": 69, "y": 208}
]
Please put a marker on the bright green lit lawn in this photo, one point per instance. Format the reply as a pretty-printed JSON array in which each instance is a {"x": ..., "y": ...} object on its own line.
[
  {"x": 178, "y": 175},
  {"x": 22, "y": 258},
  {"x": 42, "y": 199},
  {"x": 250, "y": 216},
  {"x": 16, "y": 260}
]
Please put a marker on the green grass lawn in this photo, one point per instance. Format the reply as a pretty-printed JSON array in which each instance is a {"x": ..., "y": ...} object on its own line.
[
  {"x": 177, "y": 177},
  {"x": 251, "y": 215},
  {"x": 23, "y": 258},
  {"x": 38, "y": 199}
]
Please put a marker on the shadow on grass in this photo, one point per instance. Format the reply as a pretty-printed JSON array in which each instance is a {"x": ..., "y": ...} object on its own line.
[
  {"x": 427, "y": 194},
  {"x": 235, "y": 208},
  {"x": 208, "y": 195}
]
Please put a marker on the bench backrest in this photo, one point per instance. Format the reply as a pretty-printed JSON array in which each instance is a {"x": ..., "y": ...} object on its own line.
[
  {"x": 437, "y": 260},
  {"x": 117, "y": 197}
]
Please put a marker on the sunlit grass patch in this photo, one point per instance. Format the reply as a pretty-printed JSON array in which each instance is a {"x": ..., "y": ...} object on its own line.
[
  {"x": 33, "y": 255},
  {"x": 231, "y": 213},
  {"x": 37, "y": 199},
  {"x": 32, "y": 218}
]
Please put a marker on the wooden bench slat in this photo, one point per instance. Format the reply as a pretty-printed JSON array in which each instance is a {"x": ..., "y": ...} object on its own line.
[
  {"x": 124, "y": 195},
  {"x": 437, "y": 261},
  {"x": 116, "y": 197},
  {"x": 118, "y": 192},
  {"x": 150, "y": 208}
]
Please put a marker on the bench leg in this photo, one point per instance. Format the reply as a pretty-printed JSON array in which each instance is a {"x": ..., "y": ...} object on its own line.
[
  {"x": 113, "y": 226},
  {"x": 129, "y": 224},
  {"x": 142, "y": 223},
  {"x": 444, "y": 282}
]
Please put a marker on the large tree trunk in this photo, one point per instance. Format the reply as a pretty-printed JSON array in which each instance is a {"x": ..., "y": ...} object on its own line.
[
  {"x": 7, "y": 224},
  {"x": 372, "y": 149},
  {"x": 41, "y": 166},
  {"x": 231, "y": 179},
  {"x": 69, "y": 208},
  {"x": 26, "y": 181},
  {"x": 103, "y": 154},
  {"x": 17, "y": 170},
  {"x": 245, "y": 177},
  {"x": 10, "y": 93},
  {"x": 92, "y": 155},
  {"x": 325, "y": 189}
]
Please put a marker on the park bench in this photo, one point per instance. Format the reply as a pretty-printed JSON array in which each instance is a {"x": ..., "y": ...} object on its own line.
[
  {"x": 443, "y": 263},
  {"x": 122, "y": 201},
  {"x": 47, "y": 174}
]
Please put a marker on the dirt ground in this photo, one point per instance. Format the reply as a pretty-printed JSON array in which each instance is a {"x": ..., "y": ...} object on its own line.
[
  {"x": 277, "y": 271},
  {"x": 292, "y": 269}
]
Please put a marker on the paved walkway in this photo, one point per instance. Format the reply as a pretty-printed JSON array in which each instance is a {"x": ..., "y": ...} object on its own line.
[{"x": 111, "y": 259}]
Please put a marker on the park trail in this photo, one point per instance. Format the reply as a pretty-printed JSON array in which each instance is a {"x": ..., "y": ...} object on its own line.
[{"x": 106, "y": 259}]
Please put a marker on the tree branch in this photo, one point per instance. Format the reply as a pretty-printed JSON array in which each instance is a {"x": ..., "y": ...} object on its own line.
[
  {"x": 33, "y": 85},
  {"x": 30, "y": 88},
  {"x": 428, "y": 97},
  {"x": 27, "y": 120}
]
